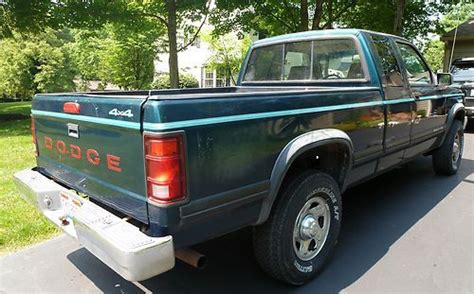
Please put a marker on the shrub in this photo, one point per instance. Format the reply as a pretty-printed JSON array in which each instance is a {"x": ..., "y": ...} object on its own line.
[{"x": 186, "y": 80}]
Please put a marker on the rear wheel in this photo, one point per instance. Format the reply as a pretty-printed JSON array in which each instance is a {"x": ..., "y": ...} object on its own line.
[
  {"x": 301, "y": 233},
  {"x": 447, "y": 158}
]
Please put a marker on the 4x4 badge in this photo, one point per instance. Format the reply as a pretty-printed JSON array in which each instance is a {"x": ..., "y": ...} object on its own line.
[{"x": 116, "y": 112}]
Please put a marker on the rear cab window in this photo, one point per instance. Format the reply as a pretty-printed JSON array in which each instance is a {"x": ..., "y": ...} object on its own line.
[{"x": 325, "y": 60}]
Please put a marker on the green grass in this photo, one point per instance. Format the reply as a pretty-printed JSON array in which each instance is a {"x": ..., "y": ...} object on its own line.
[
  {"x": 20, "y": 223},
  {"x": 22, "y": 108}
]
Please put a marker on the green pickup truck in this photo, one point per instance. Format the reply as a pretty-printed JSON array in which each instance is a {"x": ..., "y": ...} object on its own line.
[{"x": 138, "y": 177}]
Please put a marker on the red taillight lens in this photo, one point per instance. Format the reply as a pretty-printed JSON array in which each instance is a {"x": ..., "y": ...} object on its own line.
[
  {"x": 165, "y": 172},
  {"x": 33, "y": 134},
  {"x": 72, "y": 107}
]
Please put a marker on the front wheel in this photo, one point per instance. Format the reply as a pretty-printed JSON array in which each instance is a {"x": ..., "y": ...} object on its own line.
[
  {"x": 447, "y": 159},
  {"x": 301, "y": 233}
]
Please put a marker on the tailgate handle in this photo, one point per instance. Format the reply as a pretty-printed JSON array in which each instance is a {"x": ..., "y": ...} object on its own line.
[{"x": 73, "y": 130}]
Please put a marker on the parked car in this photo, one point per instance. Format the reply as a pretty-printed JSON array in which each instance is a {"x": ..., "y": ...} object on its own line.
[
  {"x": 463, "y": 78},
  {"x": 140, "y": 176}
]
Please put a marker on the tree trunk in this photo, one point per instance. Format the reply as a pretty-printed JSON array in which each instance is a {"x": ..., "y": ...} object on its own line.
[
  {"x": 330, "y": 15},
  {"x": 173, "y": 47},
  {"x": 318, "y": 13},
  {"x": 398, "y": 20},
  {"x": 304, "y": 15}
]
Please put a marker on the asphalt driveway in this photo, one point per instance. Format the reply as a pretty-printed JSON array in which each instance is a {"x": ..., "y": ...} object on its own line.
[{"x": 406, "y": 231}]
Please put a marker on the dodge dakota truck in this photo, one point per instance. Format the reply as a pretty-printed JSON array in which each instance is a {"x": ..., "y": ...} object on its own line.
[{"x": 138, "y": 177}]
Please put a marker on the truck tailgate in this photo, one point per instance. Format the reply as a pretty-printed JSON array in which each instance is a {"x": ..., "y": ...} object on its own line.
[{"x": 98, "y": 151}]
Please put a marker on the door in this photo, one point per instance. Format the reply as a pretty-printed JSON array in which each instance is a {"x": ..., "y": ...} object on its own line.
[
  {"x": 398, "y": 103},
  {"x": 429, "y": 115}
]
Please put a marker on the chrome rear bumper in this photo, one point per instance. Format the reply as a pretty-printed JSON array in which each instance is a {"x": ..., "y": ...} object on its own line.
[{"x": 117, "y": 243}]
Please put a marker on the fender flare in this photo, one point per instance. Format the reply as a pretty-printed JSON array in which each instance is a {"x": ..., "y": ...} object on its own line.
[
  {"x": 294, "y": 149},
  {"x": 455, "y": 109}
]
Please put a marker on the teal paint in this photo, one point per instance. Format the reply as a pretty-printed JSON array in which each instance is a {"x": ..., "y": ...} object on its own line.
[{"x": 225, "y": 119}]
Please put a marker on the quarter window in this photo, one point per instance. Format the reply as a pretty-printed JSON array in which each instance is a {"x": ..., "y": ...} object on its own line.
[
  {"x": 416, "y": 69},
  {"x": 265, "y": 64},
  {"x": 391, "y": 73}
]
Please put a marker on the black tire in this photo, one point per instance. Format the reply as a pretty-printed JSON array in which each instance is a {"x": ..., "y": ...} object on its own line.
[
  {"x": 443, "y": 158},
  {"x": 274, "y": 240}
]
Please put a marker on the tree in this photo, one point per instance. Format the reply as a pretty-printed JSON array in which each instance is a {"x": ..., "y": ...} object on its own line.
[
  {"x": 273, "y": 17},
  {"x": 15, "y": 77},
  {"x": 127, "y": 59},
  {"x": 408, "y": 18},
  {"x": 228, "y": 52},
  {"x": 433, "y": 52},
  {"x": 456, "y": 15},
  {"x": 121, "y": 54},
  {"x": 39, "y": 63},
  {"x": 174, "y": 16}
]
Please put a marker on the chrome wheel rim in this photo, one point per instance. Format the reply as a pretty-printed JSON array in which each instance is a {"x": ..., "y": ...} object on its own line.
[
  {"x": 311, "y": 228},
  {"x": 457, "y": 148}
]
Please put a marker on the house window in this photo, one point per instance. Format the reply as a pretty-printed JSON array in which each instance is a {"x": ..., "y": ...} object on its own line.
[
  {"x": 208, "y": 81},
  {"x": 213, "y": 78}
]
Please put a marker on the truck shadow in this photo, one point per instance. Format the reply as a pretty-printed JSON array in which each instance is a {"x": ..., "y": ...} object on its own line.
[{"x": 376, "y": 215}]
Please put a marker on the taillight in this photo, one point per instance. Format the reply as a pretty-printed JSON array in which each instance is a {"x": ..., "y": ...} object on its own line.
[
  {"x": 33, "y": 134},
  {"x": 165, "y": 168}
]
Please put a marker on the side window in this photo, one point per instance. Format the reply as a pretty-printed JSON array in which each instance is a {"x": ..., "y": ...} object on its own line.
[
  {"x": 265, "y": 64},
  {"x": 391, "y": 73},
  {"x": 417, "y": 70},
  {"x": 297, "y": 61},
  {"x": 335, "y": 60}
]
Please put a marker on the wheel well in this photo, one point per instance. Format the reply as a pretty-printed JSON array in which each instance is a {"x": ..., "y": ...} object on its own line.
[
  {"x": 331, "y": 158},
  {"x": 460, "y": 115}
]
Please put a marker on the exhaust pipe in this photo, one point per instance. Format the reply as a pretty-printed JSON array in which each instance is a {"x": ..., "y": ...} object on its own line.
[{"x": 191, "y": 257}]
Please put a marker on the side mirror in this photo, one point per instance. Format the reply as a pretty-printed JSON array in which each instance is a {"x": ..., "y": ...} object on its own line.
[{"x": 444, "y": 79}]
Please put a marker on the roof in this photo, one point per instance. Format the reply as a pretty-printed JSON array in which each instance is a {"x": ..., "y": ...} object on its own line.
[
  {"x": 316, "y": 33},
  {"x": 465, "y": 31}
]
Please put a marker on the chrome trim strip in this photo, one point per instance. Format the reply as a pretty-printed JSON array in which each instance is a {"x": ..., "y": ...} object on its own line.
[{"x": 88, "y": 119}]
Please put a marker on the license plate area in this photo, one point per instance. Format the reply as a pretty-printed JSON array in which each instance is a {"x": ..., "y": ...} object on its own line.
[{"x": 70, "y": 203}]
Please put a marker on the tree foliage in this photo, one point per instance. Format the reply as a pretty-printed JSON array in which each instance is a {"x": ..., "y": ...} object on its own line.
[
  {"x": 433, "y": 50},
  {"x": 456, "y": 15},
  {"x": 433, "y": 53},
  {"x": 228, "y": 52},
  {"x": 274, "y": 17},
  {"x": 413, "y": 18},
  {"x": 127, "y": 60},
  {"x": 165, "y": 17},
  {"x": 40, "y": 63},
  {"x": 408, "y": 18},
  {"x": 119, "y": 54}
]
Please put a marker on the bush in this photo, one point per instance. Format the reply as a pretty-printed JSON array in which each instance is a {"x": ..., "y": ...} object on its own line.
[
  {"x": 35, "y": 64},
  {"x": 186, "y": 80}
]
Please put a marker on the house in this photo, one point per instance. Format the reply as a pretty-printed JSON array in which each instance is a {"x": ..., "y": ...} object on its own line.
[
  {"x": 193, "y": 60},
  {"x": 463, "y": 46}
]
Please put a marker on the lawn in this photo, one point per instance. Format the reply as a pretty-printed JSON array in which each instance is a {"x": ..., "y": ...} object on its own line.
[
  {"x": 20, "y": 223},
  {"x": 22, "y": 108}
]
